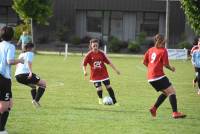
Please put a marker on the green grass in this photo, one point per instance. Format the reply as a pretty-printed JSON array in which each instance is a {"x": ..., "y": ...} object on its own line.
[{"x": 70, "y": 106}]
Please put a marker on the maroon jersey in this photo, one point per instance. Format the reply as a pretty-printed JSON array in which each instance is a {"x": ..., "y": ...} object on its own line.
[
  {"x": 96, "y": 60},
  {"x": 155, "y": 59}
]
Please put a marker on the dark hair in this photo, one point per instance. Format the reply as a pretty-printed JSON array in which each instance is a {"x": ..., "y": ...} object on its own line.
[
  {"x": 93, "y": 41},
  {"x": 6, "y": 33},
  {"x": 29, "y": 45},
  {"x": 195, "y": 41}
]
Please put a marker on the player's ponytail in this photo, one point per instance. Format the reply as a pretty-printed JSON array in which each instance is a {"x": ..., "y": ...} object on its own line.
[{"x": 159, "y": 40}]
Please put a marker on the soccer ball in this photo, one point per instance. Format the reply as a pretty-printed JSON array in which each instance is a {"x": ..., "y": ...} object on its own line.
[{"x": 107, "y": 100}]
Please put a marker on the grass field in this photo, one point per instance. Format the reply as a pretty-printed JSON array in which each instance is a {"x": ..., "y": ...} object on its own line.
[{"x": 70, "y": 106}]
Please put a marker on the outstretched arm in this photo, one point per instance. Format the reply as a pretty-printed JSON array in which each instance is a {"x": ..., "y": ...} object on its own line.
[
  {"x": 15, "y": 61},
  {"x": 84, "y": 70},
  {"x": 114, "y": 68}
]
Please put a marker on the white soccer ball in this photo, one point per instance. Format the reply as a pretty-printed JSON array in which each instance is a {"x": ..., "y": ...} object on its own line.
[{"x": 107, "y": 100}]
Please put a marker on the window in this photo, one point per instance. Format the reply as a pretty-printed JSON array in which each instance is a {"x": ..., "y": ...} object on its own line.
[
  {"x": 94, "y": 21},
  {"x": 149, "y": 23}
]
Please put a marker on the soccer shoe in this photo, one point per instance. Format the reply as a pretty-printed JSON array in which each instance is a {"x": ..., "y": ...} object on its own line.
[
  {"x": 100, "y": 101},
  {"x": 153, "y": 111},
  {"x": 36, "y": 104},
  {"x": 177, "y": 115},
  {"x": 3, "y": 132}
]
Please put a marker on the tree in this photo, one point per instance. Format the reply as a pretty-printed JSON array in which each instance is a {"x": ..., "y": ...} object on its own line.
[
  {"x": 192, "y": 12},
  {"x": 33, "y": 11}
]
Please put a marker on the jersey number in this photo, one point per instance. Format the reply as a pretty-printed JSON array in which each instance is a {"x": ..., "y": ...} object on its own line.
[{"x": 153, "y": 57}]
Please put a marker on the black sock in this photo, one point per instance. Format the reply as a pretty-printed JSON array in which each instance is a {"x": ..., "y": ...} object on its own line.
[
  {"x": 100, "y": 93},
  {"x": 33, "y": 93},
  {"x": 195, "y": 80},
  {"x": 3, "y": 120},
  {"x": 39, "y": 94},
  {"x": 173, "y": 102},
  {"x": 160, "y": 100},
  {"x": 112, "y": 94}
]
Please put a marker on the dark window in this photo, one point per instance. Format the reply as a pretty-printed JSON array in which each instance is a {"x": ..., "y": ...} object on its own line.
[
  {"x": 94, "y": 21},
  {"x": 3, "y": 10},
  {"x": 149, "y": 23}
]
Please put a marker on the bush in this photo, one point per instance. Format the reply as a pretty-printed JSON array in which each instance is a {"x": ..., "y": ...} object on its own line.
[
  {"x": 141, "y": 38},
  {"x": 184, "y": 44},
  {"x": 75, "y": 40},
  {"x": 114, "y": 44},
  {"x": 62, "y": 32},
  {"x": 133, "y": 46}
]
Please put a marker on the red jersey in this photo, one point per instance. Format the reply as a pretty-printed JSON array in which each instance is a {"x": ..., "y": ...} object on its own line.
[
  {"x": 155, "y": 59},
  {"x": 96, "y": 60}
]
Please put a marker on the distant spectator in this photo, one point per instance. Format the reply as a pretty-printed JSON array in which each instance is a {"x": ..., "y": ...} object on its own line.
[{"x": 24, "y": 39}]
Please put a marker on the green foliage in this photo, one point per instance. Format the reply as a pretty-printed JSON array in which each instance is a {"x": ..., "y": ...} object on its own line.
[
  {"x": 192, "y": 11},
  {"x": 62, "y": 32},
  {"x": 114, "y": 44},
  {"x": 38, "y": 10},
  {"x": 184, "y": 44},
  {"x": 19, "y": 29},
  {"x": 75, "y": 40},
  {"x": 141, "y": 38},
  {"x": 133, "y": 46}
]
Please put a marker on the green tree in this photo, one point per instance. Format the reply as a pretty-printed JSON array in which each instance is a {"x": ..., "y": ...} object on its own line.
[
  {"x": 33, "y": 11},
  {"x": 37, "y": 10},
  {"x": 192, "y": 11}
]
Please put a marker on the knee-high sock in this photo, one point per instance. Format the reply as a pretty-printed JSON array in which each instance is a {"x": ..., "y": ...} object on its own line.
[
  {"x": 33, "y": 93},
  {"x": 160, "y": 100},
  {"x": 173, "y": 102},
  {"x": 112, "y": 94},
  {"x": 39, "y": 94},
  {"x": 100, "y": 93},
  {"x": 3, "y": 120}
]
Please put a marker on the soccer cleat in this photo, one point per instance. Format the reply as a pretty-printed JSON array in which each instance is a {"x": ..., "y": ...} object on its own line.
[
  {"x": 153, "y": 111},
  {"x": 36, "y": 104},
  {"x": 177, "y": 115},
  {"x": 100, "y": 101},
  {"x": 3, "y": 132}
]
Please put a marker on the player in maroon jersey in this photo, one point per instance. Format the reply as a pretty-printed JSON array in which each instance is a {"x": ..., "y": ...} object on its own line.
[
  {"x": 98, "y": 72},
  {"x": 155, "y": 59}
]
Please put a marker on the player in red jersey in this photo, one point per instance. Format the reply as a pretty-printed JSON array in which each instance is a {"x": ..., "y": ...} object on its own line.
[
  {"x": 155, "y": 59},
  {"x": 98, "y": 72}
]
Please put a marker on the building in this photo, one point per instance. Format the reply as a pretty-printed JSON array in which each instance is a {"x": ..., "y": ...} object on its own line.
[
  {"x": 123, "y": 19},
  {"x": 7, "y": 14}
]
